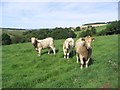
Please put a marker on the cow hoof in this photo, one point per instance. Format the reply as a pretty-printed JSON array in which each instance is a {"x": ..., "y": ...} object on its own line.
[
  {"x": 81, "y": 67},
  {"x": 67, "y": 57},
  {"x": 86, "y": 66}
]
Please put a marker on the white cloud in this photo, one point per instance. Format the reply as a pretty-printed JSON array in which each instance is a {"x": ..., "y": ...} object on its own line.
[
  {"x": 59, "y": 0},
  {"x": 38, "y": 15}
]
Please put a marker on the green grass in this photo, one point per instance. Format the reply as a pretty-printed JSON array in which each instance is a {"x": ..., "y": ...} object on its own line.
[
  {"x": 23, "y": 68},
  {"x": 100, "y": 28}
]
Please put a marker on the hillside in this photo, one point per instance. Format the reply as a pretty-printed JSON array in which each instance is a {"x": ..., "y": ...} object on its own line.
[
  {"x": 19, "y": 32},
  {"x": 23, "y": 68},
  {"x": 14, "y": 32}
]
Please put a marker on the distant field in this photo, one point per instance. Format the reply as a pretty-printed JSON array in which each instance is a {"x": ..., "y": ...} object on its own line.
[
  {"x": 14, "y": 32},
  {"x": 100, "y": 28},
  {"x": 20, "y": 32},
  {"x": 23, "y": 68}
]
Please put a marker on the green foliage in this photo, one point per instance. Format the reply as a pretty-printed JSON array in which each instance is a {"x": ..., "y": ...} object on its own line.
[
  {"x": 18, "y": 39},
  {"x": 6, "y": 40},
  {"x": 57, "y": 33},
  {"x": 112, "y": 28},
  {"x": 60, "y": 33},
  {"x": 40, "y": 34},
  {"x": 77, "y": 29},
  {"x": 91, "y": 31},
  {"x": 24, "y": 69}
]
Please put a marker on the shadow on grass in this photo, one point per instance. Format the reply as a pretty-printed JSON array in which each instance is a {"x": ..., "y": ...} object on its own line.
[
  {"x": 72, "y": 54},
  {"x": 51, "y": 51},
  {"x": 90, "y": 62}
]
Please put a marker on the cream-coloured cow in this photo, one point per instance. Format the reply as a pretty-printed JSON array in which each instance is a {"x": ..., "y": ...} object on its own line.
[
  {"x": 67, "y": 47},
  {"x": 44, "y": 43},
  {"x": 84, "y": 50}
]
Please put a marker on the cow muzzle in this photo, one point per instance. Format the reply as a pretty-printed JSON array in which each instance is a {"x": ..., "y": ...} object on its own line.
[{"x": 89, "y": 47}]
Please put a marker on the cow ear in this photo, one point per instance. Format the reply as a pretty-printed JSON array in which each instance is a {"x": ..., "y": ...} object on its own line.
[
  {"x": 83, "y": 39},
  {"x": 93, "y": 39}
]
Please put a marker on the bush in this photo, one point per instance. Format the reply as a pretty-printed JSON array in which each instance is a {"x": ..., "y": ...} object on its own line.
[
  {"x": 112, "y": 28},
  {"x": 40, "y": 34},
  {"x": 77, "y": 29},
  {"x": 60, "y": 33},
  {"x": 18, "y": 39},
  {"x": 91, "y": 31},
  {"x": 57, "y": 33},
  {"x": 6, "y": 40}
]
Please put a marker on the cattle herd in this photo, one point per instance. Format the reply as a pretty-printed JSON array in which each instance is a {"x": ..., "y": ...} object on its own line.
[{"x": 82, "y": 46}]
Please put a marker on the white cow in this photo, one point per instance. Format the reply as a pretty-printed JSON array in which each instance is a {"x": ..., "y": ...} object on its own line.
[
  {"x": 44, "y": 43},
  {"x": 67, "y": 47}
]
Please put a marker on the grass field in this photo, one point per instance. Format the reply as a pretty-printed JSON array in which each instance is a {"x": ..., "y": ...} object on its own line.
[
  {"x": 23, "y": 68},
  {"x": 101, "y": 28}
]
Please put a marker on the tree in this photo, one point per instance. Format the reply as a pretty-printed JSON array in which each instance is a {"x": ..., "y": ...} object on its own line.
[
  {"x": 6, "y": 40},
  {"x": 91, "y": 31},
  {"x": 77, "y": 29},
  {"x": 60, "y": 33},
  {"x": 112, "y": 28},
  {"x": 18, "y": 39}
]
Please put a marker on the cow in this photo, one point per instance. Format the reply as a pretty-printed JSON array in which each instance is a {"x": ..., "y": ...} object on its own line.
[
  {"x": 44, "y": 43},
  {"x": 67, "y": 47},
  {"x": 83, "y": 49}
]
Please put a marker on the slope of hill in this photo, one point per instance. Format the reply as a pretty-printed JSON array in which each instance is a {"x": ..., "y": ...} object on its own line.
[
  {"x": 14, "y": 32},
  {"x": 23, "y": 68}
]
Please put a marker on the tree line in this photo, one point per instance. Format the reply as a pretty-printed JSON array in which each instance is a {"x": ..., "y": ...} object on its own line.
[
  {"x": 111, "y": 28},
  {"x": 61, "y": 33},
  {"x": 56, "y": 33}
]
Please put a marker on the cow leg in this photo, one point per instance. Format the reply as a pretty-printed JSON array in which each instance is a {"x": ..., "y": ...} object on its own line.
[
  {"x": 82, "y": 62},
  {"x": 68, "y": 55},
  {"x": 64, "y": 53},
  {"x": 77, "y": 56},
  {"x": 36, "y": 50},
  {"x": 87, "y": 62},
  {"x": 39, "y": 51},
  {"x": 53, "y": 48},
  {"x": 49, "y": 50}
]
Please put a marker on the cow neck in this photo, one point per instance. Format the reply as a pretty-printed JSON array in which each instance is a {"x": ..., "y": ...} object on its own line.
[
  {"x": 35, "y": 44},
  {"x": 85, "y": 45}
]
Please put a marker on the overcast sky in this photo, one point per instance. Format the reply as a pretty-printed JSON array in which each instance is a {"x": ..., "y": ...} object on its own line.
[{"x": 31, "y": 15}]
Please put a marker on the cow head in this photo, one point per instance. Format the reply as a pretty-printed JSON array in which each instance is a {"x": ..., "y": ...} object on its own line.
[
  {"x": 33, "y": 40},
  {"x": 88, "y": 40}
]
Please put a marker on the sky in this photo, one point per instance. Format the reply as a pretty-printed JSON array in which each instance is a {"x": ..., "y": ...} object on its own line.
[{"x": 33, "y": 15}]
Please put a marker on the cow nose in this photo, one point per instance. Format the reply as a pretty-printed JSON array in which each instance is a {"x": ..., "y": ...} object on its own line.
[{"x": 89, "y": 47}]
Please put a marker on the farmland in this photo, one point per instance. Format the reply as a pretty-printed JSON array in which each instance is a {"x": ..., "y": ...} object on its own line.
[{"x": 22, "y": 68}]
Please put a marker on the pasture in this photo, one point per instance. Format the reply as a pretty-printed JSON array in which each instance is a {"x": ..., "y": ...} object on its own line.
[{"x": 22, "y": 68}]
